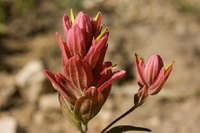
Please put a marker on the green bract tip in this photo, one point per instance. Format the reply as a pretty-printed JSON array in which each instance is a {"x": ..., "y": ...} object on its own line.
[
  {"x": 96, "y": 17},
  {"x": 101, "y": 34},
  {"x": 72, "y": 15}
]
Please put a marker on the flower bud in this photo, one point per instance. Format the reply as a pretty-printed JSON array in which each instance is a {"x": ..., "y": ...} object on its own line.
[
  {"x": 153, "y": 74},
  {"x": 83, "y": 21},
  {"x": 152, "y": 69}
]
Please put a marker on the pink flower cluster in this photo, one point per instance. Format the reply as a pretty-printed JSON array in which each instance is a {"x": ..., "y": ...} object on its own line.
[{"x": 86, "y": 82}]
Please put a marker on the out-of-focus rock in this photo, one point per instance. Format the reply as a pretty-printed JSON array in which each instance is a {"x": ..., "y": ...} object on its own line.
[
  {"x": 49, "y": 102},
  {"x": 30, "y": 80},
  {"x": 154, "y": 121},
  {"x": 38, "y": 117},
  {"x": 8, "y": 125},
  {"x": 30, "y": 73},
  {"x": 7, "y": 89}
]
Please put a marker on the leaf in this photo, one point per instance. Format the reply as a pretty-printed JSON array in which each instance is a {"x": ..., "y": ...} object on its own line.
[{"x": 126, "y": 128}]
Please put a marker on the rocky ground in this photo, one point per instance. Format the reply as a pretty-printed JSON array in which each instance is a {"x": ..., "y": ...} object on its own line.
[{"x": 28, "y": 103}]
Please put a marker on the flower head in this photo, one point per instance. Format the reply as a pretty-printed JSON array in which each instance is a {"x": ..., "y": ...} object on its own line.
[
  {"x": 85, "y": 84},
  {"x": 85, "y": 37},
  {"x": 152, "y": 75}
]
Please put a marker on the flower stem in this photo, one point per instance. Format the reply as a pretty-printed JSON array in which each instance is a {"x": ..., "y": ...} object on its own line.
[
  {"x": 84, "y": 128},
  {"x": 120, "y": 117}
]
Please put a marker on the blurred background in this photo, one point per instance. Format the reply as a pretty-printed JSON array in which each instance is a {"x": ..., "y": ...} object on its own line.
[{"x": 171, "y": 28}]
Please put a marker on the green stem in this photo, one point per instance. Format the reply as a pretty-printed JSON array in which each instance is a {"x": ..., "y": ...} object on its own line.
[
  {"x": 120, "y": 117},
  {"x": 84, "y": 128}
]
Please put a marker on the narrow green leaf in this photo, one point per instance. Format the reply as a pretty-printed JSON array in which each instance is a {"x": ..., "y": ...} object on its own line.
[{"x": 126, "y": 128}]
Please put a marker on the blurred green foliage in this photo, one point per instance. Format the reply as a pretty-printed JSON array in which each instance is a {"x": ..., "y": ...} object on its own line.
[
  {"x": 2, "y": 13},
  {"x": 15, "y": 8},
  {"x": 23, "y": 6},
  {"x": 186, "y": 6},
  {"x": 10, "y": 9}
]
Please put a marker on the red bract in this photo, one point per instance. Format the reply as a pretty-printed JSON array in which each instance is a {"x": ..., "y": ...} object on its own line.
[
  {"x": 86, "y": 82},
  {"x": 153, "y": 74}
]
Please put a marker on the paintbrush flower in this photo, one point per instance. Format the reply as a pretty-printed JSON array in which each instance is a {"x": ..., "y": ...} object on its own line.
[
  {"x": 152, "y": 75},
  {"x": 85, "y": 84}
]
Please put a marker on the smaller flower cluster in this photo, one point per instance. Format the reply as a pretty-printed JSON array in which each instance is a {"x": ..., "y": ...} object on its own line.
[
  {"x": 86, "y": 82},
  {"x": 150, "y": 76}
]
